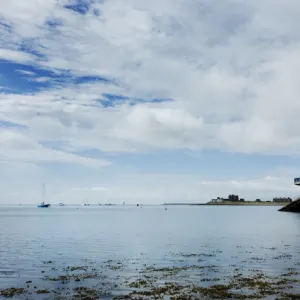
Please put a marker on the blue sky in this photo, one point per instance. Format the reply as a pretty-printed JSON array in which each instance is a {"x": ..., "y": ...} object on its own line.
[{"x": 148, "y": 102}]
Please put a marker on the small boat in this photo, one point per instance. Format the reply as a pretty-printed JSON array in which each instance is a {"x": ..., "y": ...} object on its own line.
[
  {"x": 43, "y": 204},
  {"x": 61, "y": 204},
  {"x": 85, "y": 203}
]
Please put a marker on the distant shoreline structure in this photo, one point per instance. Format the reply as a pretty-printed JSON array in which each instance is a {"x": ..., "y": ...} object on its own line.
[
  {"x": 235, "y": 200},
  {"x": 286, "y": 203}
]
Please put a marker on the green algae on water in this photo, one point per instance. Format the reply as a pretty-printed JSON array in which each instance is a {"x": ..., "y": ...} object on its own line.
[{"x": 12, "y": 292}]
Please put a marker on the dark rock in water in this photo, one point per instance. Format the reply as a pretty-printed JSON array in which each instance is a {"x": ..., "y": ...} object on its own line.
[
  {"x": 292, "y": 207},
  {"x": 48, "y": 262},
  {"x": 42, "y": 292}
]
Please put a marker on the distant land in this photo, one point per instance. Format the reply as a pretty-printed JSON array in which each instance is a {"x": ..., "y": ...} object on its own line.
[
  {"x": 235, "y": 200},
  {"x": 235, "y": 203}
]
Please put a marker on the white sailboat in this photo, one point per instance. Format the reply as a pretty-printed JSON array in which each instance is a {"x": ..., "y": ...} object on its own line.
[{"x": 43, "y": 204}]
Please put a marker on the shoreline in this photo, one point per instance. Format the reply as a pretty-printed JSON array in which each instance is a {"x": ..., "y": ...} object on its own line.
[
  {"x": 229, "y": 203},
  {"x": 110, "y": 280}
]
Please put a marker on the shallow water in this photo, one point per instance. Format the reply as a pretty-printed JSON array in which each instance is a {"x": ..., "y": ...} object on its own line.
[{"x": 230, "y": 238}]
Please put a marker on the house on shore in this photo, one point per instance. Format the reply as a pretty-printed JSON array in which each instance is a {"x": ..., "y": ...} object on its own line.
[{"x": 282, "y": 199}]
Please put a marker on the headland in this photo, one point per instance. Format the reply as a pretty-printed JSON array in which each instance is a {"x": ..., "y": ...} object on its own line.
[
  {"x": 234, "y": 200},
  {"x": 230, "y": 203}
]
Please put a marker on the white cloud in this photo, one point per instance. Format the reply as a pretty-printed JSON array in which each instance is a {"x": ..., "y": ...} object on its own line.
[
  {"x": 90, "y": 189},
  {"x": 16, "y": 56},
  {"x": 160, "y": 128},
  {"x": 15, "y": 147},
  {"x": 231, "y": 69},
  {"x": 42, "y": 79},
  {"x": 26, "y": 72},
  {"x": 219, "y": 64}
]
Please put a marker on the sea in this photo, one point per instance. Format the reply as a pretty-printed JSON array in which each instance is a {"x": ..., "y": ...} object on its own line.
[{"x": 114, "y": 245}]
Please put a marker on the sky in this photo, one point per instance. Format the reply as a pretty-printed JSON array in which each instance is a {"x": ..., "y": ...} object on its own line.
[{"x": 148, "y": 101}]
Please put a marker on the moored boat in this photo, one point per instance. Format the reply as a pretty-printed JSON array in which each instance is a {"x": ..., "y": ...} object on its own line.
[{"x": 43, "y": 204}]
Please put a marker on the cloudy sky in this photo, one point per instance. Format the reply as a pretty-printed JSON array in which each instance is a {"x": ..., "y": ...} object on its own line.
[{"x": 148, "y": 101}]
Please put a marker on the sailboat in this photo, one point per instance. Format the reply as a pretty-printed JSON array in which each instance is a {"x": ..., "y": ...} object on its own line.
[
  {"x": 43, "y": 204},
  {"x": 61, "y": 204}
]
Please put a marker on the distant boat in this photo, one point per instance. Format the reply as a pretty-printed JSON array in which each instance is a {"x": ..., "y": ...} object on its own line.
[
  {"x": 61, "y": 204},
  {"x": 85, "y": 203},
  {"x": 43, "y": 204}
]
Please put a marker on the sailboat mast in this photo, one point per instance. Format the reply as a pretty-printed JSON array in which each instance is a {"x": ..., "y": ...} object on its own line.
[{"x": 43, "y": 192}]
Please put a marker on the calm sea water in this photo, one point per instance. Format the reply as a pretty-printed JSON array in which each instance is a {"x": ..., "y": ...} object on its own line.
[{"x": 248, "y": 237}]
